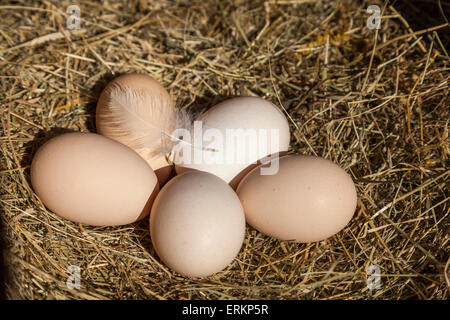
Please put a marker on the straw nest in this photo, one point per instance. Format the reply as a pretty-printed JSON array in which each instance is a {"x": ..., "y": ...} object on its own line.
[{"x": 374, "y": 101}]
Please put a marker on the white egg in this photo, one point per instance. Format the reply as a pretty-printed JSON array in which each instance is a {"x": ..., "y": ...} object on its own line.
[{"x": 231, "y": 136}]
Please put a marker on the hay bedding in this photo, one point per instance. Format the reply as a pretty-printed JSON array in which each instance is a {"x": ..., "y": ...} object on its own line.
[{"x": 381, "y": 113}]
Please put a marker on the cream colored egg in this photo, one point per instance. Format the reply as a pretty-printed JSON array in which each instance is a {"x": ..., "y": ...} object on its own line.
[
  {"x": 91, "y": 179},
  {"x": 231, "y": 136},
  {"x": 137, "y": 111},
  {"x": 308, "y": 199},
  {"x": 197, "y": 224}
]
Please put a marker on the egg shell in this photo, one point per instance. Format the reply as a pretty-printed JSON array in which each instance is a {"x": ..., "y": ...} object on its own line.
[
  {"x": 163, "y": 109},
  {"x": 244, "y": 113},
  {"x": 91, "y": 179},
  {"x": 197, "y": 224},
  {"x": 309, "y": 199}
]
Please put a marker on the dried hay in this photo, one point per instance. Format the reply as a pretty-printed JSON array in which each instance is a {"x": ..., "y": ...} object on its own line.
[{"x": 374, "y": 101}]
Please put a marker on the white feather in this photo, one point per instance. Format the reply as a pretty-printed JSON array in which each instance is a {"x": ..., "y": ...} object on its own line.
[{"x": 144, "y": 120}]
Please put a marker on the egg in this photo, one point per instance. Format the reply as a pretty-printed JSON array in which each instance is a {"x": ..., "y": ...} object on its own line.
[
  {"x": 232, "y": 136},
  {"x": 91, "y": 179},
  {"x": 197, "y": 224},
  {"x": 137, "y": 111},
  {"x": 308, "y": 199}
]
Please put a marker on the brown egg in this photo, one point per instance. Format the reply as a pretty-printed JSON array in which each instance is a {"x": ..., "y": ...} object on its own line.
[
  {"x": 197, "y": 224},
  {"x": 91, "y": 179},
  {"x": 308, "y": 199},
  {"x": 137, "y": 111}
]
